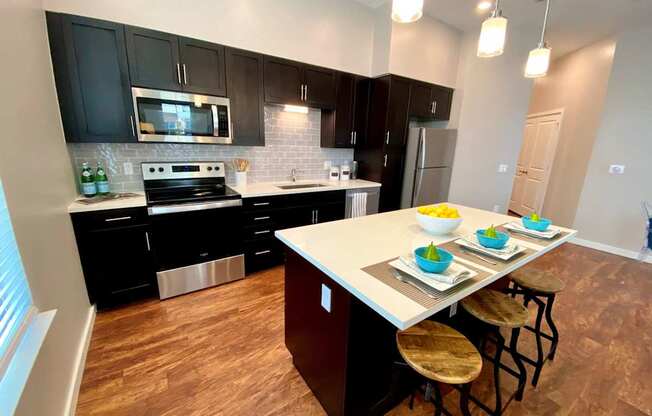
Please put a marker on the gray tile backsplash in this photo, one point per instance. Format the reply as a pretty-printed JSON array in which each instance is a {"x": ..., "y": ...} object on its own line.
[{"x": 291, "y": 141}]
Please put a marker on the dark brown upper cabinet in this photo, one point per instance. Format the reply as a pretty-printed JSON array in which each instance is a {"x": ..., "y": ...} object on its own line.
[
  {"x": 346, "y": 125},
  {"x": 164, "y": 61},
  {"x": 430, "y": 102},
  {"x": 202, "y": 67},
  {"x": 289, "y": 82},
  {"x": 92, "y": 78},
  {"x": 244, "y": 79}
]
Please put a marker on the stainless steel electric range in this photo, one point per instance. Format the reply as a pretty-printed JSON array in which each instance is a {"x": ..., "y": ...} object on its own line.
[{"x": 196, "y": 225}]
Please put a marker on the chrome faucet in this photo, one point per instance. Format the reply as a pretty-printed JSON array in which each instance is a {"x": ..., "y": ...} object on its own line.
[{"x": 293, "y": 173}]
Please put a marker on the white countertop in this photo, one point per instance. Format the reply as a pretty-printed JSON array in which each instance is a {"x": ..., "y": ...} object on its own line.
[
  {"x": 342, "y": 248},
  {"x": 131, "y": 202},
  {"x": 271, "y": 188}
]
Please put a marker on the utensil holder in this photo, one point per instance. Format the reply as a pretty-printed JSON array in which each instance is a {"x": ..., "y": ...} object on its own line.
[{"x": 240, "y": 178}]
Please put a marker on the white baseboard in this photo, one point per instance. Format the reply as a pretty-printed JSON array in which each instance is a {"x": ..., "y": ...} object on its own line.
[
  {"x": 73, "y": 393},
  {"x": 610, "y": 249}
]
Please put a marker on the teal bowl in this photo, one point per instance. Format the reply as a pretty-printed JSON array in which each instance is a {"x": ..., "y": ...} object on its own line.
[
  {"x": 431, "y": 266},
  {"x": 490, "y": 242},
  {"x": 541, "y": 225}
]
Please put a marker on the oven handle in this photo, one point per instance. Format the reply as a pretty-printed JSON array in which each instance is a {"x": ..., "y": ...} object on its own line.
[{"x": 169, "y": 209}]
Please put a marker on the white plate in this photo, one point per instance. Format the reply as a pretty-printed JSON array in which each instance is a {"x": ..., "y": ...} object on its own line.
[
  {"x": 503, "y": 254},
  {"x": 551, "y": 232},
  {"x": 438, "y": 286}
]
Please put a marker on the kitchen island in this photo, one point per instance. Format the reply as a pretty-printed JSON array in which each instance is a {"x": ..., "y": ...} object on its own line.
[{"x": 340, "y": 320}]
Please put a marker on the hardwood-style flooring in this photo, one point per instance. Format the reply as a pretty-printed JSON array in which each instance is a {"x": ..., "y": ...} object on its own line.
[{"x": 221, "y": 352}]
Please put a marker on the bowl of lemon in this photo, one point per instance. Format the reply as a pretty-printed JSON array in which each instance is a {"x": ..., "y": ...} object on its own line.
[{"x": 438, "y": 219}]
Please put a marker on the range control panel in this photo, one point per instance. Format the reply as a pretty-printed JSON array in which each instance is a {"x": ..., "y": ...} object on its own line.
[{"x": 182, "y": 170}]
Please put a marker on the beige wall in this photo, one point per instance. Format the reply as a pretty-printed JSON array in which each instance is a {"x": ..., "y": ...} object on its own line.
[
  {"x": 578, "y": 84},
  {"x": 489, "y": 109},
  {"x": 333, "y": 33},
  {"x": 609, "y": 210},
  {"x": 38, "y": 181}
]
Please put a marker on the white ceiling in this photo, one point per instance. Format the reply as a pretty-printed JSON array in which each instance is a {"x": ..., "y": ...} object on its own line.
[{"x": 572, "y": 24}]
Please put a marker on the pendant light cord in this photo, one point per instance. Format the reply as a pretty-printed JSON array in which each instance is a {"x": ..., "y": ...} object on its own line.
[
  {"x": 497, "y": 12},
  {"x": 542, "y": 42}
]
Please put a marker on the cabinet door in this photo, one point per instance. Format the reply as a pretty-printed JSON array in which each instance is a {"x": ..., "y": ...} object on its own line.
[
  {"x": 330, "y": 212},
  {"x": 421, "y": 101},
  {"x": 296, "y": 217},
  {"x": 397, "y": 114},
  {"x": 153, "y": 59},
  {"x": 361, "y": 113},
  {"x": 337, "y": 124},
  {"x": 442, "y": 98},
  {"x": 121, "y": 263},
  {"x": 320, "y": 87},
  {"x": 378, "y": 105},
  {"x": 202, "y": 67},
  {"x": 244, "y": 78},
  {"x": 283, "y": 80},
  {"x": 92, "y": 77},
  {"x": 392, "y": 178}
]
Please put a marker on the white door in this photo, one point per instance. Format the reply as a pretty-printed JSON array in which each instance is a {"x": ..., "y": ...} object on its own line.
[{"x": 534, "y": 163}]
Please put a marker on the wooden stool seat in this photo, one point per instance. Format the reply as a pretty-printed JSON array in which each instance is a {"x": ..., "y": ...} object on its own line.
[
  {"x": 537, "y": 280},
  {"x": 439, "y": 353},
  {"x": 495, "y": 308}
]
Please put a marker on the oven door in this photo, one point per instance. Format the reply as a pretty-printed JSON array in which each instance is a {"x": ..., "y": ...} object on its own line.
[
  {"x": 168, "y": 116},
  {"x": 188, "y": 234}
]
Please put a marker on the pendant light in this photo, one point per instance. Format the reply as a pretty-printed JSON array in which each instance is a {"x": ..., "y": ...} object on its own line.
[
  {"x": 538, "y": 61},
  {"x": 407, "y": 11},
  {"x": 492, "y": 34}
]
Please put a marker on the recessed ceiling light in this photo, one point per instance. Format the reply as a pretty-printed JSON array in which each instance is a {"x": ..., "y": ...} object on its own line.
[{"x": 485, "y": 5}]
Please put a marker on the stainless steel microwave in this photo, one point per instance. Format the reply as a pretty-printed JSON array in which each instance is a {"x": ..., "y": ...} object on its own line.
[{"x": 177, "y": 117}]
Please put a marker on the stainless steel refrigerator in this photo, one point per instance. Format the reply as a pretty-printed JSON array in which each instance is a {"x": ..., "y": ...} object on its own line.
[{"x": 428, "y": 165}]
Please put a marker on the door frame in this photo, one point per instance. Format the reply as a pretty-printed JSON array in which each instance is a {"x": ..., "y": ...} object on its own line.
[{"x": 553, "y": 150}]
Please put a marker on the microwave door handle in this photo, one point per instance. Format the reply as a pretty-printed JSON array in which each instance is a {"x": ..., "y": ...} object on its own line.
[{"x": 216, "y": 121}]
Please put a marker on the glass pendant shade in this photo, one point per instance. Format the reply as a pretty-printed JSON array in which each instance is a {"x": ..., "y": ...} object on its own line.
[
  {"x": 538, "y": 62},
  {"x": 492, "y": 37},
  {"x": 407, "y": 11}
]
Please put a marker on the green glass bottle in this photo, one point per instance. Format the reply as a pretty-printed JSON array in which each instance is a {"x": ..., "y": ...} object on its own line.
[
  {"x": 101, "y": 180},
  {"x": 87, "y": 181}
]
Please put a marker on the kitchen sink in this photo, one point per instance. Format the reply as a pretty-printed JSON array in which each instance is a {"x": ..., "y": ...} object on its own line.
[{"x": 301, "y": 186}]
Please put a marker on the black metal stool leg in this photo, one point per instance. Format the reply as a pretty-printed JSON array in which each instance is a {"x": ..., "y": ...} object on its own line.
[
  {"x": 438, "y": 401},
  {"x": 500, "y": 345},
  {"x": 522, "y": 379},
  {"x": 553, "y": 328},
  {"x": 464, "y": 399},
  {"x": 514, "y": 289},
  {"x": 537, "y": 333}
]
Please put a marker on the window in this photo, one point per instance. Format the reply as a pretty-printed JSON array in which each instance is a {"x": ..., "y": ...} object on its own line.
[{"x": 15, "y": 298}]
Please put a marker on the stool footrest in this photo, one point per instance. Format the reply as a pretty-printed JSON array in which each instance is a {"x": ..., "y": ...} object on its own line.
[{"x": 543, "y": 334}]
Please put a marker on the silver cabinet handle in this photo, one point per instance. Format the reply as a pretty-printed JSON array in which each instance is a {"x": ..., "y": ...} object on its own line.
[
  {"x": 117, "y": 219},
  {"x": 232, "y": 129},
  {"x": 261, "y": 218},
  {"x": 313, "y": 216},
  {"x": 149, "y": 248},
  {"x": 258, "y": 253},
  {"x": 305, "y": 98},
  {"x": 434, "y": 107},
  {"x": 178, "y": 73},
  {"x": 385, "y": 161},
  {"x": 262, "y": 232},
  {"x": 355, "y": 137},
  {"x": 185, "y": 75},
  {"x": 316, "y": 216},
  {"x": 261, "y": 204},
  {"x": 133, "y": 126},
  {"x": 351, "y": 137},
  {"x": 387, "y": 137}
]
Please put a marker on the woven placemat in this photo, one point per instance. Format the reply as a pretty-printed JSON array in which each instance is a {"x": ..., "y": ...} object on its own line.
[
  {"x": 500, "y": 265},
  {"x": 543, "y": 242}
]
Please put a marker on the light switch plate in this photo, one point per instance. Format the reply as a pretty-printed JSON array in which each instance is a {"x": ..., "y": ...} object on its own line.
[
  {"x": 496, "y": 208},
  {"x": 502, "y": 168},
  {"x": 326, "y": 298},
  {"x": 616, "y": 169},
  {"x": 128, "y": 168},
  {"x": 327, "y": 164},
  {"x": 453, "y": 310}
]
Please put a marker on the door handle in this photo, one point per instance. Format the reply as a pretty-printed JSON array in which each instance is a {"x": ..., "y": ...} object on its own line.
[
  {"x": 149, "y": 248},
  {"x": 301, "y": 92},
  {"x": 178, "y": 73},
  {"x": 387, "y": 137},
  {"x": 185, "y": 77},
  {"x": 432, "y": 107},
  {"x": 385, "y": 161},
  {"x": 260, "y": 204},
  {"x": 133, "y": 128}
]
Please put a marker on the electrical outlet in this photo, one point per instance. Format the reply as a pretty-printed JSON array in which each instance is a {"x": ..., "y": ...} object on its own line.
[
  {"x": 496, "y": 208},
  {"x": 327, "y": 164},
  {"x": 502, "y": 168},
  {"x": 128, "y": 168},
  {"x": 453, "y": 310},
  {"x": 326, "y": 298},
  {"x": 616, "y": 169}
]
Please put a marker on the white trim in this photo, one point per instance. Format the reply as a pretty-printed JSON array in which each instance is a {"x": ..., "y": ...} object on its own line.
[
  {"x": 547, "y": 113},
  {"x": 611, "y": 249},
  {"x": 73, "y": 393}
]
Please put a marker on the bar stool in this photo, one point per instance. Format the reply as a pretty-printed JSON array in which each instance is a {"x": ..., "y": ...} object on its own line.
[
  {"x": 496, "y": 310},
  {"x": 440, "y": 354},
  {"x": 541, "y": 287}
]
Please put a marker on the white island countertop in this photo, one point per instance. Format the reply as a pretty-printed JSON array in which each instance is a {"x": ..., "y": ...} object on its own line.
[
  {"x": 340, "y": 249},
  {"x": 272, "y": 188}
]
